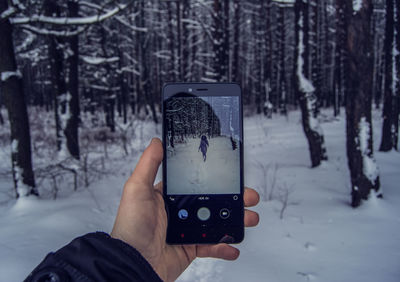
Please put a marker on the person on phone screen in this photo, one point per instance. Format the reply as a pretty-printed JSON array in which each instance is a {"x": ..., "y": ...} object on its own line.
[
  {"x": 136, "y": 249},
  {"x": 203, "y": 146}
]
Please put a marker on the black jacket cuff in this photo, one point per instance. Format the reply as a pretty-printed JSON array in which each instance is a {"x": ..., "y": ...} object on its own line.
[{"x": 94, "y": 257}]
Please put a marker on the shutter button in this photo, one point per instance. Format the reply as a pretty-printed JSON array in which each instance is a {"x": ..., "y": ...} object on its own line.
[{"x": 203, "y": 213}]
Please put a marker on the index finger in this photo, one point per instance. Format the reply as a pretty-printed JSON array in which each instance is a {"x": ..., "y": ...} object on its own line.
[
  {"x": 250, "y": 197},
  {"x": 147, "y": 167}
]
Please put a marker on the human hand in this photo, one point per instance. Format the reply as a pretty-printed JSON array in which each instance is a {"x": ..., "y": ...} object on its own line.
[{"x": 142, "y": 220}]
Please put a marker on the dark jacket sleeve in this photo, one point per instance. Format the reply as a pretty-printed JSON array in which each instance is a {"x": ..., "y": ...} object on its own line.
[{"x": 94, "y": 257}]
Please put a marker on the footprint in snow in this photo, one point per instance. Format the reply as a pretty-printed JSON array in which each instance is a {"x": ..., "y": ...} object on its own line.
[
  {"x": 96, "y": 210},
  {"x": 307, "y": 276},
  {"x": 310, "y": 246},
  {"x": 202, "y": 270}
]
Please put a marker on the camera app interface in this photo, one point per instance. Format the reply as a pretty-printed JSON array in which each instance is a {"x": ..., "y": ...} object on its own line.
[{"x": 203, "y": 149}]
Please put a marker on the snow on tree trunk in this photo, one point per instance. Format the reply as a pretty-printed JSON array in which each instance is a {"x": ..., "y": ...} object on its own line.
[
  {"x": 305, "y": 89},
  {"x": 363, "y": 169},
  {"x": 12, "y": 91},
  {"x": 390, "y": 128}
]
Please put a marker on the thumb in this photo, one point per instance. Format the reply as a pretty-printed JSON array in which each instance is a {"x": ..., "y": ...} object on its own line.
[{"x": 147, "y": 167}]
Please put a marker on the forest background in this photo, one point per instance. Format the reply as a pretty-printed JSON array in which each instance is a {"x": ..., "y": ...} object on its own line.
[{"x": 79, "y": 78}]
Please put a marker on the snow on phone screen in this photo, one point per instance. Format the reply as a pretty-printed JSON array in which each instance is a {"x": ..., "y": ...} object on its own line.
[{"x": 203, "y": 145}]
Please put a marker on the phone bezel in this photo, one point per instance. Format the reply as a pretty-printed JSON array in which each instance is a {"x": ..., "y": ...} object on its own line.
[{"x": 205, "y": 89}]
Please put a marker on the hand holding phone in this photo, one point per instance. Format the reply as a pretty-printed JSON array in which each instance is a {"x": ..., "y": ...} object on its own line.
[
  {"x": 141, "y": 220},
  {"x": 203, "y": 162}
]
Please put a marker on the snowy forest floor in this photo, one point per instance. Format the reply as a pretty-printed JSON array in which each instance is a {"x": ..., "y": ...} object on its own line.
[
  {"x": 189, "y": 169},
  {"x": 317, "y": 237}
]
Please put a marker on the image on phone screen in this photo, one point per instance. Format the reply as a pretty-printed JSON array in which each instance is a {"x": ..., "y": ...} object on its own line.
[{"x": 203, "y": 152}]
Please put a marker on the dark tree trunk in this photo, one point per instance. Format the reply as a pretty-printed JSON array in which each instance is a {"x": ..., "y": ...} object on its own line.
[
  {"x": 193, "y": 70},
  {"x": 363, "y": 168},
  {"x": 171, "y": 44},
  {"x": 219, "y": 64},
  {"x": 1, "y": 117},
  {"x": 71, "y": 128},
  {"x": 179, "y": 39},
  {"x": 282, "y": 76},
  {"x": 397, "y": 62},
  {"x": 187, "y": 74},
  {"x": 12, "y": 91},
  {"x": 144, "y": 58},
  {"x": 305, "y": 89},
  {"x": 226, "y": 40},
  {"x": 57, "y": 73},
  {"x": 236, "y": 36},
  {"x": 109, "y": 106},
  {"x": 268, "y": 51},
  {"x": 339, "y": 78},
  {"x": 390, "y": 129}
]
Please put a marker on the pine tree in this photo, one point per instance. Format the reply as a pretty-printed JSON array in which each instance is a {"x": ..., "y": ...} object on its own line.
[
  {"x": 14, "y": 99},
  {"x": 305, "y": 89},
  {"x": 390, "y": 128},
  {"x": 363, "y": 168}
]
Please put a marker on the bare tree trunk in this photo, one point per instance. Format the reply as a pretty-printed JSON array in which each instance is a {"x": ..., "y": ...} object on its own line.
[
  {"x": 187, "y": 75},
  {"x": 57, "y": 74},
  {"x": 282, "y": 77},
  {"x": 1, "y": 116},
  {"x": 226, "y": 40},
  {"x": 171, "y": 44},
  {"x": 390, "y": 129},
  {"x": 339, "y": 56},
  {"x": 12, "y": 91},
  {"x": 219, "y": 44},
  {"x": 305, "y": 89},
  {"x": 362, "y": 165},
  {"x": 179, "y": 39},
  {"x": 236, "y": 36},
  {"x": 72, "y": 123}
]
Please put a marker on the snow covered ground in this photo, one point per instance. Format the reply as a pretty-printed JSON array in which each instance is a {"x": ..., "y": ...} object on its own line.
[
  {"x": 319, "y": 238},
  {"x": 188, "y": 173}
]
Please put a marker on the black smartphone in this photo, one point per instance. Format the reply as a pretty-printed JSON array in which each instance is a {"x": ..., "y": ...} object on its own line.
[{"x": 203, "y": 162}]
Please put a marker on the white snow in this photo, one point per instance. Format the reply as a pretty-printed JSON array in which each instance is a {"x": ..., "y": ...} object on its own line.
[
  {"x": 357, "y": 5},
  {"x": 320, "y": 238},
  {"x": 14, "y": 146},
  {"x": 305, "y": 84},
  {"x": 64, "y": 117},
  {"x": 204, "y": 177},
  {"x": 22, "y": 188},
  {"x": 5, "y": 75},
  {"x": 99, "y": 60},
  {"x": 7, "y": 13},
  {"x": 370, "y": 168},
  {"x": 313, "y": 121}
]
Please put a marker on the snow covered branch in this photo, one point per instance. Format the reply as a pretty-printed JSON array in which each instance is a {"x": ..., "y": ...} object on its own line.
[
  {"x": 8, "y": 13},
  {"x": 357, "y": 5},
  {"x": 12, "y": 10},
  {"x": 44, "y": 31},
  {"x": 71, "y": 20},
  {"x": 99, "y": 60},
  {"x": 5, "y": 75}
]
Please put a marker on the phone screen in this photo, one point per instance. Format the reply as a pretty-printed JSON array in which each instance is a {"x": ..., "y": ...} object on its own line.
[
  {"x": 203, "y": 180},
  {"x": 203, "y": 135}
]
